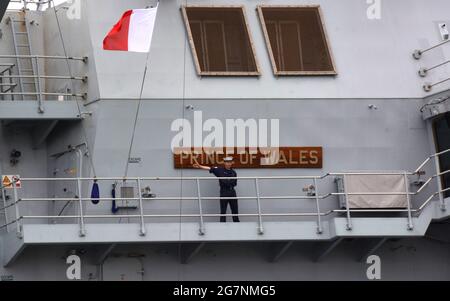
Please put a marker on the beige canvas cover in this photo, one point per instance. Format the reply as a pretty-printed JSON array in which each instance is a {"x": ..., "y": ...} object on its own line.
[{"x": 376, "y": 183}]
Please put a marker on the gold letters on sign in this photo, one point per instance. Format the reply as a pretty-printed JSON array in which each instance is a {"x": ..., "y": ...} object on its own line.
[{"x": 282, "y": 157}]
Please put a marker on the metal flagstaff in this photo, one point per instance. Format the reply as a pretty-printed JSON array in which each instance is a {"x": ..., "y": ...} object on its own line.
[{"x": 139, "y": 104}]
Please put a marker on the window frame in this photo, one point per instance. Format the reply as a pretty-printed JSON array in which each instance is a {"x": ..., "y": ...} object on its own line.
[
  {"x": 194, "y": 51},
  {"x": 277, "y": 72}
]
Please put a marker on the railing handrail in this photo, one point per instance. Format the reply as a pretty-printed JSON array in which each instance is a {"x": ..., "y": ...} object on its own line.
[{"x": 45, "y": 57}]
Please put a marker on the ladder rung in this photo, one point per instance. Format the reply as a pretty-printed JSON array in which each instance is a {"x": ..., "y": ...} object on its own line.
[
  {"x": 8, "y": 85},
  {"x": 19, "y": 21},
  {"x": 26, "y": 70},
  {"x": 21, "y": 32},
  {"x": 23, "y": 45}
]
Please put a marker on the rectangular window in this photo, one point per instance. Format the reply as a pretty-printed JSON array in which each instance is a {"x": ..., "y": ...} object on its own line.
[
  {"x": 296, "y": 39},
  {"x": 220, "y": 40}
]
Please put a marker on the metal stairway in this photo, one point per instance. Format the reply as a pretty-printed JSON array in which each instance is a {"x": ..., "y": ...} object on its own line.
[
  {"x": 23, "y": 94},
  {"x": 27, "y": 66}
]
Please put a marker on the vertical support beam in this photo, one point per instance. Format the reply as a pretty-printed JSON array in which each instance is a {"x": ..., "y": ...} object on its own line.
[
  {"x": 371, "y": 247},
  {"x": 325, "y": 248}
]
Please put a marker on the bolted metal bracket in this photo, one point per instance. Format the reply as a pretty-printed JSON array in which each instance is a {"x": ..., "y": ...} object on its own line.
[
  {"x": 427, "y": 87},
  {"x": 423, "y": 72},
  {"x": 417, "y": 54}
]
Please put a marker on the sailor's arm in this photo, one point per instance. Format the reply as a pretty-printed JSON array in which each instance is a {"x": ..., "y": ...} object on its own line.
[
  {"x": 199, "y": 166},
  {"x": 196, "y": 165}
]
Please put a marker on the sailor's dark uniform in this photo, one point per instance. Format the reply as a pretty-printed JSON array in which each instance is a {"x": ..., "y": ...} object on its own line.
[{"x": 227, "y": 190}]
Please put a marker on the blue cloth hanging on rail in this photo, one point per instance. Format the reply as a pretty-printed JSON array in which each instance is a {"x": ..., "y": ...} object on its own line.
[
  {"x": 95, "y": 193},
  {"x": 114, "y": 208}
]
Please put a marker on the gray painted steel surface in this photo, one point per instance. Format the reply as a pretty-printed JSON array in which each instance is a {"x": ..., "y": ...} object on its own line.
[{"x": 375, "y": 67}]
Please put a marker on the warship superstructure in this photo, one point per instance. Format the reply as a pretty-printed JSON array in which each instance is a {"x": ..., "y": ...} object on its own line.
[{"x": 358, "y": 93}]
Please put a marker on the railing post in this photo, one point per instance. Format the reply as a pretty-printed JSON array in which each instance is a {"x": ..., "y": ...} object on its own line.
[
  {"x": 6, "y": 209},
  {"x": 349, "y": 219},
  {"x": 201, "y": 230},
  {"x": 141, "y": 207},
  {"x": 258, "y": 201},
  {"x": 319, "y": 220},
  {"x": 80, "y": 199},
  {"x": 16, "y": 205},
  {"x": 439, "y": 182},
  {"x": 40, "y": 106},
  {"x": 408, "y": 198},
  {"x": 12, "y": 87}
]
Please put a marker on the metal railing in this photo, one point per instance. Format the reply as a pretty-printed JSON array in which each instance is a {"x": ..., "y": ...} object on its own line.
[
  {"x": 81, "y": 216},
  {"x": 38, "y": 3},
  {"x": 37, "y": 78}
]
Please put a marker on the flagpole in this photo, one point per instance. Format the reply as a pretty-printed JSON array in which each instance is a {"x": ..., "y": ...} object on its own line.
[{"x": 138, "y": 106}]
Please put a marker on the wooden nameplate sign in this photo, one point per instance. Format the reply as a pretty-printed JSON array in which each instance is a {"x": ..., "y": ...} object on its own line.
[{"x": 282, "y": 157}]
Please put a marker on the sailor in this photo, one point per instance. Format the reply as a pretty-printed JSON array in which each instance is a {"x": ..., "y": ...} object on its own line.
[{"x": 226, "y": 187}]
